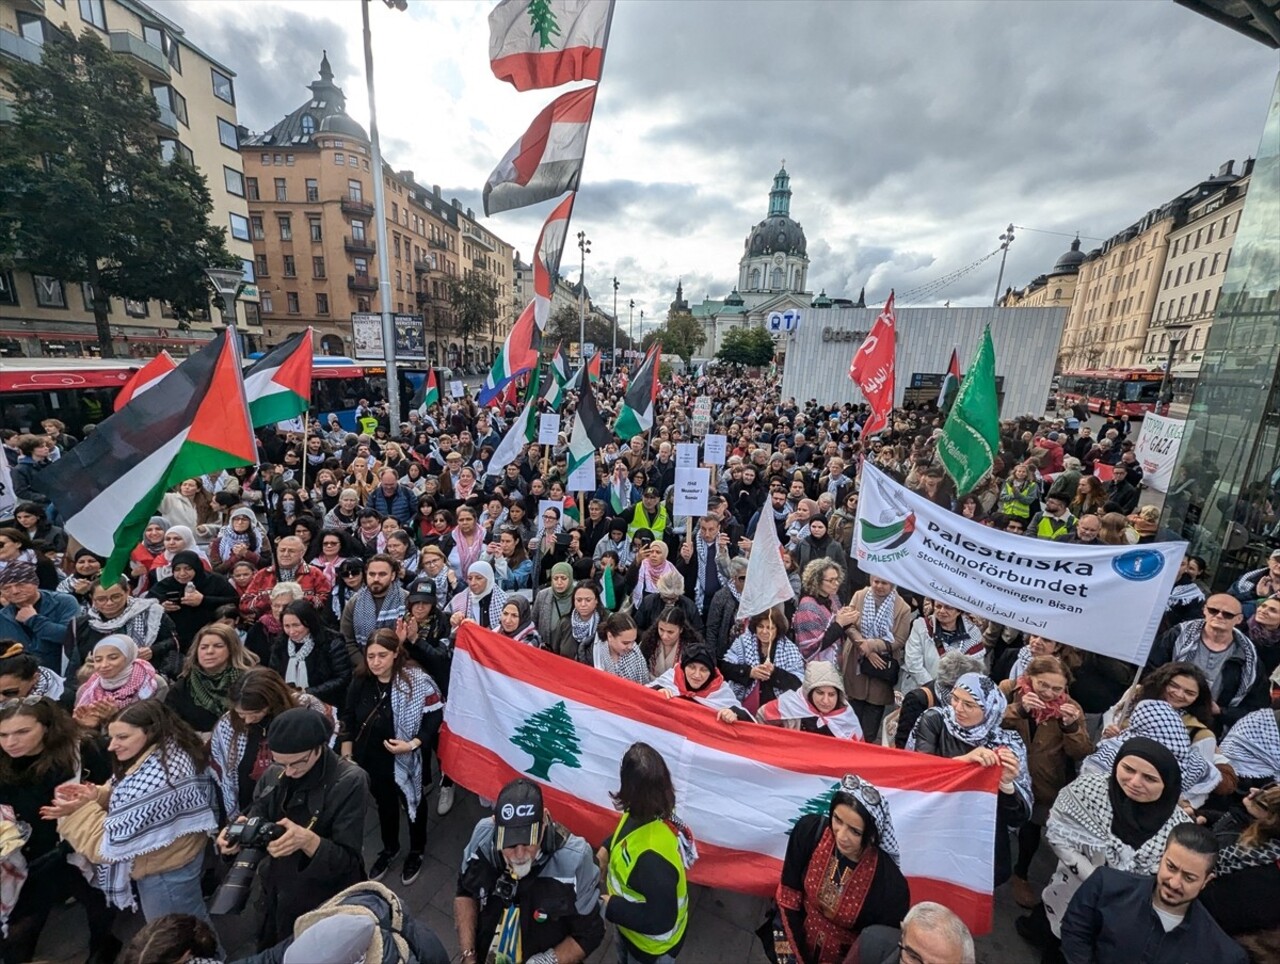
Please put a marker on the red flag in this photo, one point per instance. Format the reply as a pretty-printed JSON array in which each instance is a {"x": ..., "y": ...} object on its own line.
[
  {"x": 547, "y": 159},
  {"x": 872, "y": 369},
  {"x": 145, "y": 377}
]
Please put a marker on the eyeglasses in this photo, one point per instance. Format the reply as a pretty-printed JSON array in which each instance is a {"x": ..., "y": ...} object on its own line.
[
  {"x": 293, "y": 765},
  {"x": 1224, "y": 613},
  {"x": 9, "y": 704},
  {"x": 852, "y": 783}
]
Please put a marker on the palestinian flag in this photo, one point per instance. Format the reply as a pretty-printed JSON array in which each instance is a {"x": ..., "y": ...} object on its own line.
[
  {"x": 592, "y": 368},
  {"x": 533, "y": 387},
  {"x": 522, "y": 431},
  {"x": 589, "y": 431},
  {"x": 554, "y": 393},
  {"x": 516, "y": 357},
  {"x": 278, "y": 386},
  {"x": 428, "y": 393},
  {"x": 608, "y": 594},
  {"x": 636, "y": 416},
  {"x": 144, "y": 378},
  {"x": 950, "y": 384},
  {"x": 196, "y": 420}
]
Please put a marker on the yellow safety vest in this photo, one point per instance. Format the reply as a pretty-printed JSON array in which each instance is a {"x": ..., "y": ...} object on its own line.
[
  {"x": 368, "y": 424},
  {"x": 1050, "y": 528},
  {"x": 640, "y": 520},
  {"x": 1015, "y": 509},
  {"x": 623, "y": 855}
]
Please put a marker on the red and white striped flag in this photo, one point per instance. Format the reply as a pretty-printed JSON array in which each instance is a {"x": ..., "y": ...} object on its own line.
[
  {"x": 546, "y": 259},
  {"x": 515, "y": 711},
  {"x": 873, "y": 369},
  {"x": 547, "y": 160},
  {"x": 546, "y": 43}
]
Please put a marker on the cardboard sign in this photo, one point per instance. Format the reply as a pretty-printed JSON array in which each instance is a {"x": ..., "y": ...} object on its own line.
[
  {"x": 692, "y": 488},
  {"x": 686, "y": 455},
  {"x": 548, "y": 428},
  {"x": 583, "y": 478},
  {"x": 713, "y": 449},
  {"x": 457, "y": 389}
]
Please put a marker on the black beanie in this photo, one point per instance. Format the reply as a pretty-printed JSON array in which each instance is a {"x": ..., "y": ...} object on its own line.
[{"x": 298, "y": 730}]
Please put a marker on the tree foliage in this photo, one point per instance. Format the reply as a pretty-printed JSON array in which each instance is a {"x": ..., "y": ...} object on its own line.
[
  {"x": 563, "y": 327},
  {"x": 746, "y": 346},
  {"x": 682, "y": 335},
  {"x": 475, "y": 304},
  {"x": 85, "y": 195}
]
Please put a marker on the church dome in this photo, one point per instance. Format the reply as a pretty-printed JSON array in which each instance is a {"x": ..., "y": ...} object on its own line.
[
  {"x": 778, "y": 233},
  {"x": 1070, "y": 261},
  {"x": 343, "y": 124}
]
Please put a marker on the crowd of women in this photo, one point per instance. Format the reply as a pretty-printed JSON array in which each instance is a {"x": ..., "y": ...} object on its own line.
[{"x": 335, "y": 575}]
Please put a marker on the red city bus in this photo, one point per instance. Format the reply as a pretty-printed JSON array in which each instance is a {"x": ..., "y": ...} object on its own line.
[{"x": 1111, "y": 391}]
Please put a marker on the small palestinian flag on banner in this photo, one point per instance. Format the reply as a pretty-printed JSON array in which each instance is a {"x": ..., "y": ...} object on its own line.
[
  {"x": 278, "y": 385},
  {"x": 195, "y": 421}
]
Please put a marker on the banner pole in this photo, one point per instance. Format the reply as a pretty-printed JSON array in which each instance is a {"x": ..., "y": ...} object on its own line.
[{"x": 306, "y": 424}]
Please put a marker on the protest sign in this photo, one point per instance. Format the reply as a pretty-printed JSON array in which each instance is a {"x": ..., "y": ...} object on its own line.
[
  {"x": 583, "y": 478},
  {"x": 1105, "y": 599},
  {"x": 1157, "y": 449},
  {"x": 457, "y": 389},
  {"x": 291, "y": 425},
  {"x": 548, "y": 428},
  {"x": 686, "y": 455},
  {"x": 692, "y": 487},
  {"x": 713, "y": 449}
]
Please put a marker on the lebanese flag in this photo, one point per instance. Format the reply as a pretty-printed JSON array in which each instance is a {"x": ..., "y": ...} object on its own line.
[
  {"x": 872, "y": 369},
  {"x": 195, "y": 421},
  {"x": 516, "y": 711},
  {"x": 546, "y": 43},
  {"x": 144, "y": 378},
  {"x": 516, "y": 356},
  {"x": 547, "y": 160},
  {"x": 278, "y": 386},
  {"x": 546, "y": 258}
]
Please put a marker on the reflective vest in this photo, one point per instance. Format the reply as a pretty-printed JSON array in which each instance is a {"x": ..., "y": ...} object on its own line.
[
  {"x": 1050, "y": 528},
  {"x": 623, "y": 854},
  {"x": 1013, "y": 508},
  {"x": 368, "y": 425},
  {"x": 640, "y": 520}
]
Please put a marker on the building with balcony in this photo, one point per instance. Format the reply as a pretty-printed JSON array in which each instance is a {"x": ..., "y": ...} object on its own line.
[
  {"x": 41, "y": 315},
  {"x": 311, "y": 221}
]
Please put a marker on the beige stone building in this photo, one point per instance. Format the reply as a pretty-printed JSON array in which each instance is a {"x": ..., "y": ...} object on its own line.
[
  {"x": 1053, "y": 290},
  {"x": 311, "y": 220},
  {"x": 1199, "y": 251},
  {"x": 47, "y": 316}
]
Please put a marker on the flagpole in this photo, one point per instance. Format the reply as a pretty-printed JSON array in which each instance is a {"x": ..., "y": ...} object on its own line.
[{"x": 306, "y": 424}]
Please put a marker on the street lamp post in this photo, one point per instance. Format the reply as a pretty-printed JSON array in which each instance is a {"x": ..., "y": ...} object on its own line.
[
  {"x": 1006, "y": 239},
  {"x": 380, "y": 226},
  {"x": 584, "y": 249},
  {"x": 631, "y": 322},
  {"x": 227, "y": 283},
  {"x": 1176, "y": 334},
  {"x": 614, "y": 356}
]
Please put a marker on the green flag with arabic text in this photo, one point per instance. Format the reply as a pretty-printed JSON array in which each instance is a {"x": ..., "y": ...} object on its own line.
[{"x": 971, "y": 436}]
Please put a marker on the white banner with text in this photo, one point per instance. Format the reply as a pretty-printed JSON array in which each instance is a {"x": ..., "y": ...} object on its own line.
[{"x": 1157, "y": 449}]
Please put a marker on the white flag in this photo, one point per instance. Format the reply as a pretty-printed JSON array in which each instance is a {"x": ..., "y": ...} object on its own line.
[
  {"x": 767, "y": 583},
  {"x": 513, "y": 443},
  {"x": 8, "y": 501}
]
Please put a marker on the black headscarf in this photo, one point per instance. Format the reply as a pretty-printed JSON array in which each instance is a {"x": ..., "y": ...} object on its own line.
[
  {"x": 1135, "y": 823},
  {"x": 189, "y": 558}
]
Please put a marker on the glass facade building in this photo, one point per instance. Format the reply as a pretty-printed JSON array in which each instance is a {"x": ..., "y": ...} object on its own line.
[{"x": 1225, "y": 494}]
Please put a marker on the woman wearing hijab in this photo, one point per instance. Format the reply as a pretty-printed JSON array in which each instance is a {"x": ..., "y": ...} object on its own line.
[
  {"x": 819, "y": 544},
  {"x": 481, "y": 602},
  {"x": 176, "y": 539},
  {"x": 143, "y": 556},
  {"x": 112, "y": 610},
  {"x": 840, "y": 875},
  {"x": 120, "y": 678},
  {"x": 652, "y": 566},
  {"x": 310, "y": 658},
  {"x": 215, "y": 661},
  {"x": 554, "y": 602},
  {"x": 191, "y": 596},
  {"x": 1252, "y": 750},
  {"x": 819, "y": 706},
  {"x": 1159, "y": 721},
  {"x": 238, "y": 540},
  {"x": 696, "y": 679},
  {"x": 970, "y": 728},
  {"x": 1119, "y": 817},
  {"x": 516, "y": 622}
]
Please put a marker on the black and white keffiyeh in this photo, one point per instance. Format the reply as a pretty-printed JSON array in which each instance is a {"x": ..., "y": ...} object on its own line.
[
  {"x": 139, "y": 620},
  {"x": 583, "y": 630},
  {"x": 150, "y": 808},
  {"x": 877, "y": 620},
  {"x": 1159, "y": 721},
  {"x": 413, "y": 695},
  {"x": 1252, "y": 746},
  {"x": 745, "y": 651},
  {"x": 1191, "y": 634},
  {"x": 1235, "y": 858},
  {"x": 367, "y": 617},
  {"x": 1081, "y": 819},
  {"x": 48, "y": 684},
  {"x": 631, "y": 665},
  {"x": 876, "y": 805}
]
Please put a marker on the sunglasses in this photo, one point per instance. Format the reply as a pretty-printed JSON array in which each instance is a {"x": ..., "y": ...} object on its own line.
[
  {"x": 1224, "y": 613},
  {"x": 852, "y": 783},
  {"x": 10, "y": 704}
]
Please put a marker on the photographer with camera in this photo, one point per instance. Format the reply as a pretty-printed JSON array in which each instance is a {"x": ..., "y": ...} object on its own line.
[
  {"x": 528, "y": 890},
  {"x": 307, "y": 816}
]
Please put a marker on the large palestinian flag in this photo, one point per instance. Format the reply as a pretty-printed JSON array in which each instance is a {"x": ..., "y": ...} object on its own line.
[
  {"x": 636, "y": 416},
  {"x": 278, "y": 386},
  {"x": 590, "y": 434},
  {"x": 195, "y": 420}
]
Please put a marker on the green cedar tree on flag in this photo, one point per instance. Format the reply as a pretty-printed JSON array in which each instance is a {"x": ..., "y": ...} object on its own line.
[
  {"x": 514, "y": 442},
  {"x": 971, "y": 435},
  {"x": 194, "y": 421},
  {"x": 590, "y": 433},
  {"x": 278, "y": 385},
  {"x": 636, "y": 416}
]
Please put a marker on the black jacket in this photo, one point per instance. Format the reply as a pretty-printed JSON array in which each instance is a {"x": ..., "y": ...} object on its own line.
[
  {"x": 1129, "y": 932},
  {"x": 328, "y": 666},
  {"x": 1257, "y": 697},
  {"x": 189, "y": 620}
]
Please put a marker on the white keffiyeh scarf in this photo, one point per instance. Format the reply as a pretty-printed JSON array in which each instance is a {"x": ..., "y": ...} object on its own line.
[
  {"x": 296, "y": 671},
  {"x": 1253, "y": 745},
  {"x": 1159, "y": 721},
  {"x": 413, "y": 695}
]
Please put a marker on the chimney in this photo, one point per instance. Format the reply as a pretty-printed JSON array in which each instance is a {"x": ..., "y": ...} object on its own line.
[
  {"x": 471, "y": 214},
  {"x": 1248, "y": 167},
  {"x": 435, "y": 189},
  {"x": 1227, "y": 169},
  {"x": 407, "y": 175},
  {"x": 454, "y": 201}
]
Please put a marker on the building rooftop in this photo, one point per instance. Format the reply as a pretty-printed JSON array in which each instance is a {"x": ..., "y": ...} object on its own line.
[
  {"x": 1257, "y": 19},
  {"x": 325, "y": 112}
]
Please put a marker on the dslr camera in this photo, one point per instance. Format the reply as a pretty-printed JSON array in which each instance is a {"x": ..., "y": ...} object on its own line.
[{"x": 252, "y": 837}]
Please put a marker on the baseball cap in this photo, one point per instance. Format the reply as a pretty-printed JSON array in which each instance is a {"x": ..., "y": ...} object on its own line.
[
  {"x": 1275, "y": 554},
  {"x": 518, "y": 814},
  {"x": 651, "y": 491},
  {"x": 422, "y": 592}
]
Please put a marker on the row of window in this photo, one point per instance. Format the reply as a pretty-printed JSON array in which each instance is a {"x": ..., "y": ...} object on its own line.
[
  {"x": 1205, "y": 234},
  {"x": 355, "y": 189},
  {"x": 1167, "y": 309},
  {"x": 1172, "y": 279},
  {"x": 52, "y": 293},
  {"x": 293, "y": 305},
  {"x": 290, "y": 269}
]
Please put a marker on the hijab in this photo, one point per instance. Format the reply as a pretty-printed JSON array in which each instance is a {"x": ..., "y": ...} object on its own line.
[
  {"x": 137, "y": 680},
  {"x": 1135, "y": 823},
  {"x": 157, "y": 547},
  {"x": 1159, "y": 721},
  {"x": 525, "y": 627},
  {"x": 228, "y": 538}
]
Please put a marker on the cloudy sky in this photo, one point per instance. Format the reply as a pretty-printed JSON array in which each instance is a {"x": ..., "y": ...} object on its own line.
[{"x": 914, "y": 132}]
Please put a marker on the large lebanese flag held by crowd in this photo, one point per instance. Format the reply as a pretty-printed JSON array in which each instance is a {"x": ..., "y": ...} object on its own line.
[{"x": 515, "y": 711}]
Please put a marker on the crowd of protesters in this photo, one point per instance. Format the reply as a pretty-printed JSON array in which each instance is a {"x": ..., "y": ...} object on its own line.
[{"x": 285, "y": 632}]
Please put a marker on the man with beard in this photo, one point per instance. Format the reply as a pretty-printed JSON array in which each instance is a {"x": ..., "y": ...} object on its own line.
[
  {"x": 528, "y": 889},
  {"x": 379, "y": 605}
]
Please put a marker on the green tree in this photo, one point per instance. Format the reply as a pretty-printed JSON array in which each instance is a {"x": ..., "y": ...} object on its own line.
[
  {"x": 475, "y": 305},
  {"x": 85, "y": 195},
  {"x": 747, "y": 346},
  {"x": 550, "y": 737},
  {"x": 819, "y": 804},
  {"x": 682, "y": 335},
  {"x": 562, "y": 326}
]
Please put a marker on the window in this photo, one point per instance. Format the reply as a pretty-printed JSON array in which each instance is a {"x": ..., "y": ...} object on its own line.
[
  {"x": 279, "y": 160},
  {"x": 260, "y": 263},
  {"x": 357, "y": 230},
  {"x": 322, "y": 303},
  {"x": 233, "y": 181},
  {"x": 1195, "y": 300},
  {"x": 240, "y": 227},
  {"x": 339, "y": 160},
  {"x": 317, "y": 231},
  {"x": 395, "y": 212},
  {"x": 50, "y": 292},
  {"x": 313, "y": 190},
  {"x": 259, "y": 233},
  {"x": 166, "y": 96},
  {"x": 290, "y": 266},
  {"x": 91, "y": 12},
  {"x": 352, "y": 160},
  {"x": 264, "y": 301},
  {"x": 317, "y": 267},
  {"x": 282, "y": 189},
  {"x": 291, "y": 302},
  {"x": 286, "y": 227},
  {"x": 223, "y": 89},
  {"x": 8, "y": 293},
  {"x": 362, "y": 304},
  {"x": 227, "y": 135},
  {"x": 251, "y": 188},
  {"x": 86, "y": 292},
  {"x": 399, "y": 281},
  {"x": 362, "y": 267},
  {"x": 135, "y": 309},
  {"x": 355, "y": 190},
  {"x": 288, "y": 160},
  {"x": 251, "y": 315},
  {"x": 171, "y": 149},
  {"x": 396, "y": 243},
  {"x": 31, "y": 27},
  {"x": 1209, "y": 236},
  {"x": 308, "y": 124}
]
